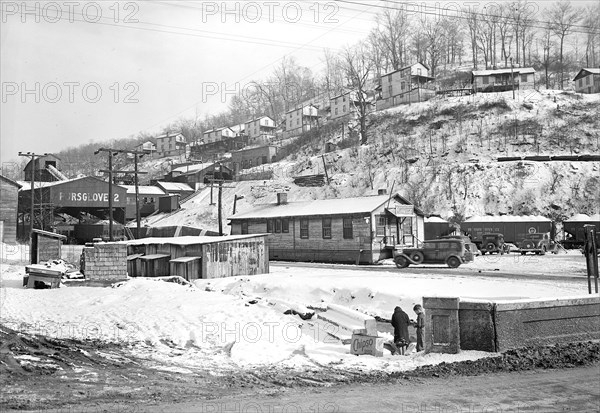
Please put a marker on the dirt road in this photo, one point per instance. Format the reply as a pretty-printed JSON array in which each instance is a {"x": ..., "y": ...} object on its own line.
[{"x": 566, "y": 390}]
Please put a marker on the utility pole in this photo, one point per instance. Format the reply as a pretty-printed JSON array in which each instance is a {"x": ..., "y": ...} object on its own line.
[
  {"x": 110, "y": 172},
  {"x": 512, "y": 77},
  {"x": 33, "y": 156}
]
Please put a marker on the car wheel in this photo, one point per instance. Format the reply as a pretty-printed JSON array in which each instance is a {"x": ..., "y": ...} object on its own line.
[
  {"x": 417, "y": 257},
  {"x": 528, "y": 245},
  {"x": 490, "y": 247},
  {"x": 401, "y": 262},
  {"x": 453, "y": 262}
]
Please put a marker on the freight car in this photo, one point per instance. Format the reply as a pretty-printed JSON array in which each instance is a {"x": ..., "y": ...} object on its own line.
[
  {"x": 436, "y": 227},
  {"x": 573, "y": 228},
  {"x": 512, "y": 227},
  {"x": 89, "y": 232}
]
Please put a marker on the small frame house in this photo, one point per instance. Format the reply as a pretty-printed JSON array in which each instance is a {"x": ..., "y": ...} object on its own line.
[
  {"x": 501, "y": 80},
  {"x": 587, "y": 80},
  {"x": 351, "y": 230}
]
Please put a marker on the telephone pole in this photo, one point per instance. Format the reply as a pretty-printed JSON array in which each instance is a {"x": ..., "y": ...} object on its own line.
[
  {"x": 33, "y": 156},
  {"x": 110, "y": 171}
]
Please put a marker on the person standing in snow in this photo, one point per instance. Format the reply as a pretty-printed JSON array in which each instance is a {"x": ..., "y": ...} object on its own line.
[
  {"x": 400, "y": 321},
  {"x": 419, "y": 325}
]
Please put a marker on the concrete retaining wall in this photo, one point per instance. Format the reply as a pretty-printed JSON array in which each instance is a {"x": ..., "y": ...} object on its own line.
[
  {"x": 497, "y": 326},
  {"x": 105, "y": 261}
]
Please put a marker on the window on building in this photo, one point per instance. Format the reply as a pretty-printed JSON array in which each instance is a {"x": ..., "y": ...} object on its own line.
[
  {"x": 402, "y": 85},
  {"x": 265, "y": 159},
  {"x": 524, "y": 78},
  {"x": 580, "y": 82},
  {"x": 588, "y": 80},
  {"x": 304, "y": 228},
  {"x": 278, "y": 225},
  {"x": 285, "y": 225},
  {"x": 244, "y": 227},
  {"x": 418, "y": 71},
  {"x": 326, "y": 228},
  {"x": 343, "y": 98},
  {"x": 298, "y": 122},
  {"x": 381, "y": 223},
  {"x": 336, "y": 109},
  {"x": 348, "y": 228},
  {"x": 344, "y": 109},
  {"x": 485, "y": 80},
  {"x": 270, "y": 226}
]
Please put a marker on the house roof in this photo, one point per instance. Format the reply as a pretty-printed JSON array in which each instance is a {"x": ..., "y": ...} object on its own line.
[
  {"x": 174, "y": 186},
  {"x": 518, "y": 70},
  {"x": 168, "y": 135},
  {"x": 189, "y": 169},
  {"x": 10, "y": 181},
  {"x": 583, "y": 218},
  {"x": 508, "y": 218},
  {"x": 49, "y": 234},
  {"x": 217, "y": 129},
  {"x": 405, "y": 67},
  {"x": 302, "y": 107},
  {"x": 339, "y": 206},
  {"x": 259, "y": 118},
  {"x": 589, "y": 70},
  {"x": 190, "y": 240},
  {"x": 433, "y": 219},
  {"x": 144, "y": 189}
]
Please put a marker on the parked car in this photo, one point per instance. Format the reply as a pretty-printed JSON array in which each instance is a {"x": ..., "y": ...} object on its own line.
[
  {"x": 452, "y": 252},
  {"x": 493, "y": 243},
  {"x": 538, "y": 243},
  {"x": 470, "y": 245}
]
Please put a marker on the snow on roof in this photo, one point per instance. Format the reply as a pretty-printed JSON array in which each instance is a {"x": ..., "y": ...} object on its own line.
[
  {"x": 435, "y": 219},
  {"x": 189, "y": 240},
  {"x": 174, "y": 186},
  {"x": 317, "y": 207},
  {"x": 519, "y": 70},
  {"x": 192, "y": 168},
  {"x": 592, "y": 70},
  {"x": 144, "y": 189},
  {"x": 508, "y": 218},
  {"x": 583, "y": 217}
]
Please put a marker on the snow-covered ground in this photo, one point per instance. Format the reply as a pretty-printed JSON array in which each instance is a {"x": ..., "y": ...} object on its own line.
[{"x": 232, "y": 323}]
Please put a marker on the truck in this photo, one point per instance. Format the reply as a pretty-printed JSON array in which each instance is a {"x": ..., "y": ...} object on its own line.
[
  {"x": 513, "y": 228},
  {"x": 573, "y": 229}
]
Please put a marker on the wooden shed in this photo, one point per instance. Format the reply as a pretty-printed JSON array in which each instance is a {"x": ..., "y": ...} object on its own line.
[
  {"x": 45, "y": 246},
  {"x": 217, "y": 257},
  {"x": 9, "y": 194},
  {"x": 346, "y": 230}
]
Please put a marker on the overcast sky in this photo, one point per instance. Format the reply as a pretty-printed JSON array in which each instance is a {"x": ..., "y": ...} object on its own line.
[
  {"x": 79, "y": 71},
  {"x": 180, "y": 58}
]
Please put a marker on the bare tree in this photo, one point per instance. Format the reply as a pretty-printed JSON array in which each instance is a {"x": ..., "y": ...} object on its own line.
[
  {"x": 433, "y": 33},
  {"x": 392, "y": 30},
  {"x": 563, "y": 16},
  {"x": 358, "y": 66},
  {"x": 592, "y": 22}
]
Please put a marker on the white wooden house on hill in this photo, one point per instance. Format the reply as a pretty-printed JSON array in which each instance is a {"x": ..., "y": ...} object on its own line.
[
  {"x": 217, "y": 134},
  {"x": 501, "y": 80},
  {"x": 409, "y": 84},
  {"x": 587, "y": 80},
  {"x": 351, "y": 230},
  {"x": 344, "y": 105},
  {"x": 300, "y": 120},
  {"x": 260, "y": 130},
  {"x": 170, "y": 144}
]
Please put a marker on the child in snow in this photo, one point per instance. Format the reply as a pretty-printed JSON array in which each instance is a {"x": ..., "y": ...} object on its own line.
[{"x": 419, "y": 325}]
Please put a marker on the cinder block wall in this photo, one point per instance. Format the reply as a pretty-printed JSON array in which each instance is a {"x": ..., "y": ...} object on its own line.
[{"x": 106, "y": 261}]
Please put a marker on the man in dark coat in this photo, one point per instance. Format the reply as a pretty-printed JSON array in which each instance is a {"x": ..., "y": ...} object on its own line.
[{"x": 400, "y": 321}]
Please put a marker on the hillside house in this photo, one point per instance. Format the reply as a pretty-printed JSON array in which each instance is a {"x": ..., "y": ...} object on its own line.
[
  {"x": 409, "y": 84},
  {"x": 45, "y": 168},
  {"x": 344, "y": 105},
  {"x": 148, "y": 196},
  {"x": 217, "y": 135},
  {"x": 198, "y": 173},
  {"x": 9, "y": 194},
  {"x": 249, "y": 157},
  {"x": 170, "y": 144},
  {"x": 587, "y": 80},
  {"x": 260, "y": 130},
  {"x": 351, "y": 230},
  {"x": 176, "y": 188},
  {"x": 147, "y": 147},
  {"x": 300, "y": 120},
  {"x": 501, "y": 80}
]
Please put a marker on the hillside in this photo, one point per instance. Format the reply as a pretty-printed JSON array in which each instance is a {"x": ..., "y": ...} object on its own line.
[{"x": 442, "y": 155}]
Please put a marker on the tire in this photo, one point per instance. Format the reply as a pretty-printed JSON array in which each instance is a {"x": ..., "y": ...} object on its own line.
[
  {"x": 417, "y": 257},
  {"x": 528, "y": 245},
  {"x": 490, "y": 247},
  {"x": 401, "y": 262},
  {"x": 453, "y": 262}
]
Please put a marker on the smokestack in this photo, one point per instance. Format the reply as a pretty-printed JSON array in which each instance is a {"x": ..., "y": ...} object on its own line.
[{"x": 281, "y": 198}]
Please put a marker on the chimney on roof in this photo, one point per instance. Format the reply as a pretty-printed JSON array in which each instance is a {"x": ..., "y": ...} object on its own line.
[
  {"x": 382, "y": 191},
  {"x": 281, "y": 198}
]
